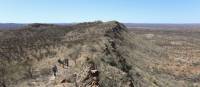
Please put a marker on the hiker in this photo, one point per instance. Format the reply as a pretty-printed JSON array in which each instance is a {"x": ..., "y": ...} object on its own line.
[
  {"x": 61, "y": 62},
  {"x": 94, "y": 75},
  {"x": 55, "y": 70},
  {"x": 66, "y": 62}
]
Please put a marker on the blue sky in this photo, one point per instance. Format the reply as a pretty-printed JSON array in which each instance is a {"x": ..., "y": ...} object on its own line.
[{"x": 67, "y": 11}]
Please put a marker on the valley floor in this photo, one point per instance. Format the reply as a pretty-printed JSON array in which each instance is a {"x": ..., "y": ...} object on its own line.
[{"x": 183, "y": 49}]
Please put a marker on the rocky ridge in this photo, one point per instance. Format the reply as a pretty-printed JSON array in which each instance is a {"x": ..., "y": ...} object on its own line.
[{"x": 122, "y": 58}]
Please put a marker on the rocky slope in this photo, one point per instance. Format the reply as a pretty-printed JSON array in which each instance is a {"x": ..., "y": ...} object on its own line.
[{"x": 122, "y": 58}]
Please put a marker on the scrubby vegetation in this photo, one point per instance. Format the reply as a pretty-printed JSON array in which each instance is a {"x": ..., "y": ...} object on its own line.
[
  {"x": 124, "y": 58},
  {"x": 182, "y": 48},
  {"x": 15, "y": 62}
]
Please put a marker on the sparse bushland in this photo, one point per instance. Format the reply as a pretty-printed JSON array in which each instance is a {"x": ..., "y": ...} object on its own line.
[
  {"x": 20, "y": 47},
  {"x": 124, "y": 58},
  {"x": 182, "y": 50}
]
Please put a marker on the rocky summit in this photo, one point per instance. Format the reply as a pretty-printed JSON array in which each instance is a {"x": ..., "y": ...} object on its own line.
[{"x": 90, "y": 54}]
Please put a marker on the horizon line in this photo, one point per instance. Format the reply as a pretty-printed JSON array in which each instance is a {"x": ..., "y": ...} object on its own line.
[{"x": 75, "y": 22}]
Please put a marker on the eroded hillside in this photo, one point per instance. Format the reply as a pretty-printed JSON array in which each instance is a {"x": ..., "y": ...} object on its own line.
[{"x": 123, "y": 58}]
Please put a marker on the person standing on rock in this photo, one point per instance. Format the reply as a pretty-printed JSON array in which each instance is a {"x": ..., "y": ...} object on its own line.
[
  {"x": 66, "y": 62},
  {"x": 55, "y": 70},
  {"x": 95, "y": 78}
]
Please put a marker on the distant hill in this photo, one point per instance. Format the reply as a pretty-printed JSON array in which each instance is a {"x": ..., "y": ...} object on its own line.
[
  {"x": 162, "y": 26},
  {"x": 11, "y": 26}
]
